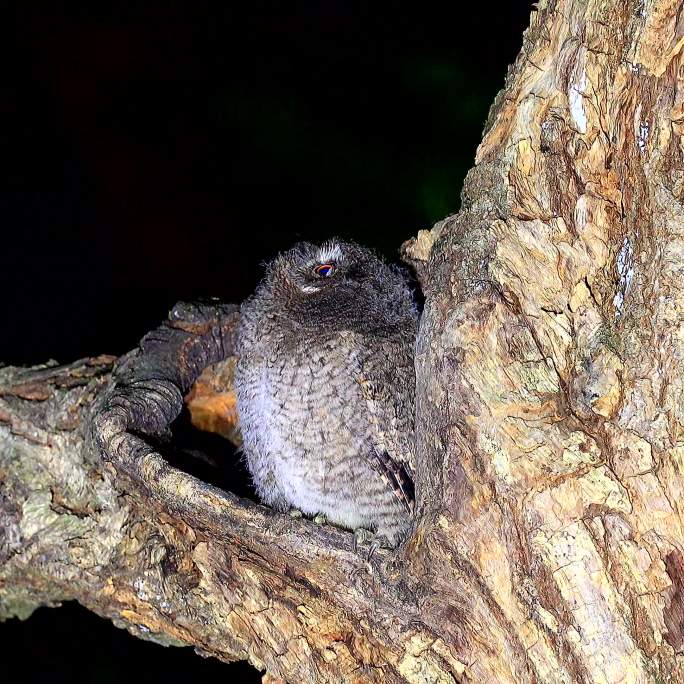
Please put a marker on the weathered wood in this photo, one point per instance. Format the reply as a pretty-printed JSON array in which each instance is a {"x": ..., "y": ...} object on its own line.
[
  {"x": 549, "y": 539},
  {"x": 551, "y": 349},
  {"x": 177, "y": 560}
]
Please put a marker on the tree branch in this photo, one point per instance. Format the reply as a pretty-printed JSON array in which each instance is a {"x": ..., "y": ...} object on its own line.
[{"x": 167, "y": 556}]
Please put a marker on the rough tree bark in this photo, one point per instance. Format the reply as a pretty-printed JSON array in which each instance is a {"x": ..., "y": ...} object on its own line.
[{"x": 549, "y": 541}]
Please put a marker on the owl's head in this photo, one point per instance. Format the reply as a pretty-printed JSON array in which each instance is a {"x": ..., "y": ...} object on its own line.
[{"x": 338, "y": 283}]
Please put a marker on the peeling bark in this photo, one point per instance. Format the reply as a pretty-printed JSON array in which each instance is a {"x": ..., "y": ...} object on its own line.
[{"x": 549, "y": 536}]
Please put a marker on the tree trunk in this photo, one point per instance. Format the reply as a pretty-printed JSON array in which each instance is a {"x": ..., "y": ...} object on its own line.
[{"x": 549, "y": 540}]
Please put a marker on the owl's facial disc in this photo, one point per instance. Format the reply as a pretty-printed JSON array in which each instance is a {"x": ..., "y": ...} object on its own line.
[
  {"x": 320, "y": 266},
  {"x": 333, "y": 266}
]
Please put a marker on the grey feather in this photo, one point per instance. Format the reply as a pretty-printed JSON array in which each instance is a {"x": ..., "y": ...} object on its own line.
[{"x": 325, "y": 386}]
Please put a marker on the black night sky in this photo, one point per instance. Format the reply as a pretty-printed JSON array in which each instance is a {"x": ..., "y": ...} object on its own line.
[{"x": 158, "y": 151}]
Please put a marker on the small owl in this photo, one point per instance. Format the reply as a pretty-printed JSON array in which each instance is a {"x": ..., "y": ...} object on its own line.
[{"x": 325, "y": 387}]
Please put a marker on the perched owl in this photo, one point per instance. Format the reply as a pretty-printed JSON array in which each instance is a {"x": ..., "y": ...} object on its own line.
[{"x": 325, "y": 387}]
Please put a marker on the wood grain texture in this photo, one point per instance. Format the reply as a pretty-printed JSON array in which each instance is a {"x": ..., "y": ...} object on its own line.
[
  {"x": 549, "y": 537},
  {"x": 551, "y": 349}
]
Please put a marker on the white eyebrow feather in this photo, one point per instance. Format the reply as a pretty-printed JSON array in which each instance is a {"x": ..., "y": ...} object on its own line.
[{"x": 330, "y": 251}]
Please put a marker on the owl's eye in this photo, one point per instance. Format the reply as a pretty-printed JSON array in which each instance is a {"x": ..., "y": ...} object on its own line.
[{"x": 324, "y": 270}]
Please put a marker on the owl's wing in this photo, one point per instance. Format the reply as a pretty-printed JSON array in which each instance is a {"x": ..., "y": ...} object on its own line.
[{"x": 386, "y": 378}]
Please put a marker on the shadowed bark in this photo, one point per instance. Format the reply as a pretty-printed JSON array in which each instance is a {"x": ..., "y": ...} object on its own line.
[{"x": 549, "y": 542}]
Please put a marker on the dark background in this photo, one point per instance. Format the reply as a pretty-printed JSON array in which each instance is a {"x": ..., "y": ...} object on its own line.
[{"x": 159, "y": 151}]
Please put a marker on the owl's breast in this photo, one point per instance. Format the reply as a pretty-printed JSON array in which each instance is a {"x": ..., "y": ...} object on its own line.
[
  {"x": 317, "y": 404},
  {"x": 318, "y": 428}
]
